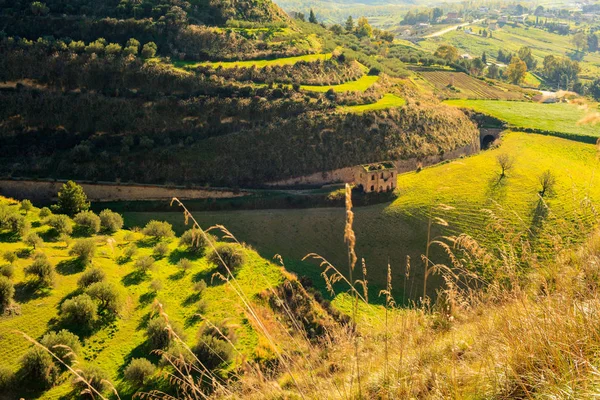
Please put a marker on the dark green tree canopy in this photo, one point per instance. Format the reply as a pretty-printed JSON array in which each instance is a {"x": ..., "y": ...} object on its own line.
[{"x": 72, "y": 199}]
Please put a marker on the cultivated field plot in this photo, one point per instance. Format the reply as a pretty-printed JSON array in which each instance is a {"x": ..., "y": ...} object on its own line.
[
  {"x": 560, "y": 117},
  {"x": 393, "y": 231},
  {"x": 462, "y": 86}
]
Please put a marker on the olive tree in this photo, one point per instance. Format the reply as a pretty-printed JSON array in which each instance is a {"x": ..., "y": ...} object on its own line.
[
  {"x": 110, "y": 221},
  {"x": 87, "y": 222},
  {"x": 41, "y": 270},
  {"x": 79, "y": 311},
  {"x": 84, "y": 250},
  {"x": 7, "y": 292}
]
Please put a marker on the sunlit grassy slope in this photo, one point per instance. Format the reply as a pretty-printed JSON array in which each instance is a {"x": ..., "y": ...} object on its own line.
[
  {"x": 393, "y": 231},
  {"x": 362, "y": 84},
  {"x": 113, "y": 346},
  {"x": 387, "y": 101},
  {"x": 559, "y": 117},
  {"x": 256, "y": 63}
]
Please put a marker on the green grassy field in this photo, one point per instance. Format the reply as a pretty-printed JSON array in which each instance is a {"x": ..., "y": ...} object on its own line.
[
  {"x": 359, "y": 85},
  {"x": 532, "y": 81},
  {"x": 512, "y": 39},
  {"x": 112, "y": 346},
  {"x": 256, "y": 63},
  {"x": 387, "y": 101},
  {"x": 393, "y": 231},
  {"x": 559, "y": 117}
]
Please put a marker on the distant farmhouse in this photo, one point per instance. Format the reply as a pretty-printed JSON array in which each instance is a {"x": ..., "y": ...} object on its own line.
[{"x": 378, "y": 177}]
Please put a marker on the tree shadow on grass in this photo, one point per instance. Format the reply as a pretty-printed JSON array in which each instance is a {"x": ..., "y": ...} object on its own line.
[
  {"x": 122, "y": 260},
  {"x": 50, "y": 235},
  {"x": 192, "y": 320},
  {"x": 208, "y": 277},
  {"x": 146, "y": 299},
  {"x": 177, "y": 255},
  {"x": 30, "y": 290},
  {"x": 135, "y": 278},
  {"x": 143, "y": 324},
  {"x": 9, "y": 237},
  {"x": 497, "y": 187},
  {"x": 24, "y": 253},
  {"x": 177, "y": 276},
  {"x": 147, "y": 242},
  {"x": 70, "y": 267},
  {"x": 191, "y": 299},
  {"x": 539, "y": 216}
]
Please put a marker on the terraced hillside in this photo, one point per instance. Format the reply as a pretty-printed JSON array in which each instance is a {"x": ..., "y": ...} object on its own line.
[{"x": 80, "y": 104}]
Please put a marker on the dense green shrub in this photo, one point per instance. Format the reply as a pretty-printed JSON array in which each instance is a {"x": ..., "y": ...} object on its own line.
[
  {"x": 160, "y": 250},
  {"x": 72, "y": 199},
  {"x": 107, "y": 294},
  {"x": 212, "y": 351},
  {"x": 7, "y": 292},
  {"x": 10, "y": 219},
  {"x": 184, "y": 264},
  {"x": 200, "y": 286},
  {"x": 144, "y": 263},
  {"x": 91, "y": 276},
  {"x": 159, "y": 336},
  {"x": 45, "y": 212},
  {"x": 9, "y": 256},
  {"x": 158, "y": 230},
  {"x": 41, "y": 270},
  {"x": 79, "y": 311},
  {"x": 232, "y": 255},
  {"x": 84, "y": 250},
  {"x": 26, "y": 206},
  {"x": 129, "y": 252},
  {"x": 139, "y": 371},
  {"x": 93, "y": 376},
  {"x": 110, "y": 221},
  {"x": 34, "y": 240},
  {"x": 7, "y": 270},
  {"x": 87, "y": 223},
  {"x": 194, "y": 240},
  {"x": 61, "y": 224},
  {"x": 64, "y": 344},
  {"x": 7, "y": 379},
  {"x": 38, "y": 368}
]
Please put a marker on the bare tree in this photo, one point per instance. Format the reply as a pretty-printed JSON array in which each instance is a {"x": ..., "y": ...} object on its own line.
[
  {"x": 506, "y": 163},
  {"x": 548, "y": 181}
]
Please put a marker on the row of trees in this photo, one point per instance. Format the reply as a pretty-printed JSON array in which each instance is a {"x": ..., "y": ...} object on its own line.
[
  {"x": 99, "y": 46},
  {"x": 334, "y": 71}
]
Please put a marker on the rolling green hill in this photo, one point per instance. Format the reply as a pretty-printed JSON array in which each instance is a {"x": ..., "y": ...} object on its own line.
[
  {"x": 393, "y": 231},
  {"x": 112, "y": 341},
  {"x": 559, "y": 118}
]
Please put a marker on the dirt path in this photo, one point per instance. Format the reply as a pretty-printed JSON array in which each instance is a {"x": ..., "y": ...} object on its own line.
[{"x": 450, "y": 29}]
